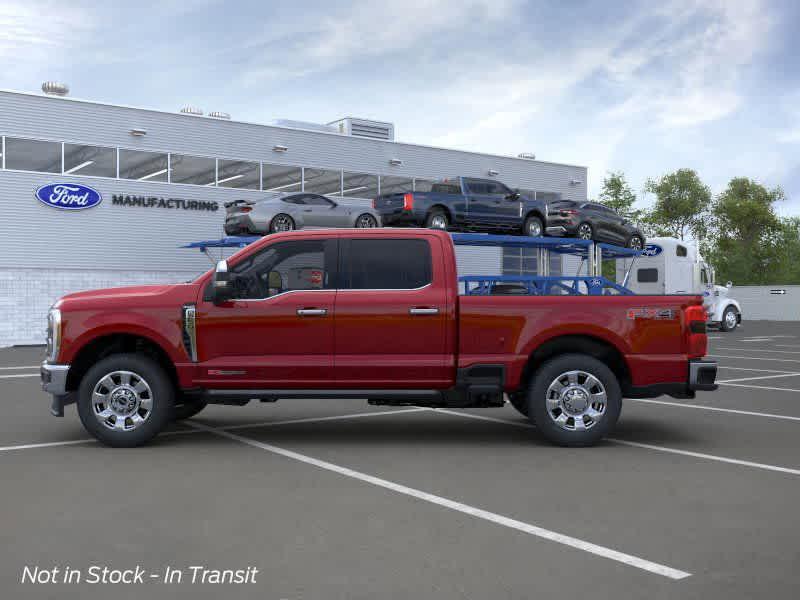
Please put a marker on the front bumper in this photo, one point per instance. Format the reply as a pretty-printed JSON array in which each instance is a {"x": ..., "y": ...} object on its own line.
[{"x": 54, "y": 382}]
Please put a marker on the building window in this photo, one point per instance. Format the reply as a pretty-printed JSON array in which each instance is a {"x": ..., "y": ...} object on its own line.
[
  {"x": 323, "y": 181},
  {"x": 360, "y": 185},
  {"x": 144, "y": 166},
  {"x": 238, "y": 174},
  {"x": 33, "y": 155},
  {"x": 280, "y": 178},
  {"x": 195, "y": 170},
  {"x": 396, "y": 185},
  {"x": 96, "y": 161}
]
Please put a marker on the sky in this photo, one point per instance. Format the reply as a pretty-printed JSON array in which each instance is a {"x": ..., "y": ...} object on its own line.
[{"x": 639, "y": 87}]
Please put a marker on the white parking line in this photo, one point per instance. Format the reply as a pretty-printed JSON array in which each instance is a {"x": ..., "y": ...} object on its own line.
[
  {"x": 226, "y": 428},
  {"x": 472, "y": 511},
  {"x": 758, "y": 350},
  {"x": 761, "y": 377},
  {"x": 760, "y": 387},
  {"x": 791, "y": 360},
  {"x": 16, "y": 376},
  {"x": 13, "y": 368},
  {"x": 724, "y": 459},
  {"x": 715, "y": 408},
  {"x": 748, "y": 369}
]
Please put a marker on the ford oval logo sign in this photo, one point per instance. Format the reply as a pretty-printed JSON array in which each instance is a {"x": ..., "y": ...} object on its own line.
[
  {"x": 68, "y": 196},
  {"x": 652, "y": 250}
]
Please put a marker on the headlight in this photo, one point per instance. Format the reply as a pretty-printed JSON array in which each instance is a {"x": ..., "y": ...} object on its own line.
[{"x": 53, "y": 334}]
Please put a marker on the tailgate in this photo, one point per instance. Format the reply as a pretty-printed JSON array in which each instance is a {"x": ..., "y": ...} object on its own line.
[{"x": 389, "y": 202}]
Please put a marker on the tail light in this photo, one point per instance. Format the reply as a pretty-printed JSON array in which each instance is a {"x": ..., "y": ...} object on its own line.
[
  {"x": 696, "y": 331},
  {"x": 568, "y": 212},
  {"x": 246, "y": 209},
  {"x": 374, "y": 203},
  {"x": 408, "y": 201}
]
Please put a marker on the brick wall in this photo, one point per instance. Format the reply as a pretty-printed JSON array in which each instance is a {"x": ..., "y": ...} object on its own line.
[{"x": 27, "y": 294}]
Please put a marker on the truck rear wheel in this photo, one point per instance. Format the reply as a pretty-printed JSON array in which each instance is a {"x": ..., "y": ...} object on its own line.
[
  {"x": 437, "y": 219},
  {"x": 574, "y": 400},
  {"x": 125, "y": 400}
]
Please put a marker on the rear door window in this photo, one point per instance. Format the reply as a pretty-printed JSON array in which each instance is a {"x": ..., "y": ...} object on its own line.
[{"x": 385, "y": 264}]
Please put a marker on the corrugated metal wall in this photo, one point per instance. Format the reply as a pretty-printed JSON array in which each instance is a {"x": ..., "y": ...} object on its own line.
[{"x": 765, "y": 302}]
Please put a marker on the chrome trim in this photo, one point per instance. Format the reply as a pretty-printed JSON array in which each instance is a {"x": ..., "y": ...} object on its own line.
[
  {"x": 190, "y": 331},
  {"x": 556, "y": 229},
  {"x": 57, "y": 384},
  {"x": 427, "y": 285},
  {"x": 423, "y": 311},
  {"x": 312, "y": 312}
]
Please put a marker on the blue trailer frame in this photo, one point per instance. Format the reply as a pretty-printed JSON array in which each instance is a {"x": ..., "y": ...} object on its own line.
[{"x": 593, "y": 283}]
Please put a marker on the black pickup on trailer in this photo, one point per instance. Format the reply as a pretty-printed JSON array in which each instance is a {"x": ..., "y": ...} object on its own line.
[{"x": 465, "y": 203}]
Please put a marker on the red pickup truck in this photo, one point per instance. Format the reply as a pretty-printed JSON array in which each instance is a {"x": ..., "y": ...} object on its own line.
[{"x": 372, "y": 314}]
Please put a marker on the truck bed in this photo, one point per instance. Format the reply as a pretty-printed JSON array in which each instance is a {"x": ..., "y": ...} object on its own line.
[{"x": 648, "y": 331}]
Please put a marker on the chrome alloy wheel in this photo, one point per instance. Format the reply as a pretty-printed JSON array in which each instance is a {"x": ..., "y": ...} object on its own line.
[
  {"x": 585, "y": 231},
  {"x": 576, "y": 400},
  {"x": 438, "y": 222},
  {"x": 282, "y": 223},
  {"x": 730, "y": 319},
  {"x": 122, "y": 400},
  {"x": 366, "y": 221},
  {"x": 534, "y": 228}
]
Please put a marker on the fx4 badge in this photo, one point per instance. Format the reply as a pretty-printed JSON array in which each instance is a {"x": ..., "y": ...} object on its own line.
[{"x": 651, "y": 313}]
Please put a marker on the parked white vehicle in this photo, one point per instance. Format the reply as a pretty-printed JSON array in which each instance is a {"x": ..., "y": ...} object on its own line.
[{"x": 671, "y": 266}]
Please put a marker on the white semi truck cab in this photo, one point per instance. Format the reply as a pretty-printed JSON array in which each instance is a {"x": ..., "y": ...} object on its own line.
[{"x": 671, "y": 266}]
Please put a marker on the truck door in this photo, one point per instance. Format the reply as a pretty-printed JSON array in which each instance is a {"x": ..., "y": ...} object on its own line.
[
  {"x": 278, "y": 332},
  {"x": 392, "y": 314},
  {"x": 489, "y": 205}
]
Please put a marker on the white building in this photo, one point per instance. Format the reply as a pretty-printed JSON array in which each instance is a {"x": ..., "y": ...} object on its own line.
[{"x": 199, "y": 162}]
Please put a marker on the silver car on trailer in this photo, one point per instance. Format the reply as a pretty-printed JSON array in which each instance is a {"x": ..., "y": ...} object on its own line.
[{"x": 296, "y": 210}]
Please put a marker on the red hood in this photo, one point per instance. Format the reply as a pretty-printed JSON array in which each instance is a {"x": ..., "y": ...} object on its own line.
[{"x": 133, "y": 296}]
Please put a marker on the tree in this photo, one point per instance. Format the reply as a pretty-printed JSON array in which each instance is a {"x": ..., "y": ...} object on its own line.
[
  {"x": 749, "y": 242},
  {"x": 618, "y": 196},
  {"x": 681, "y": 208}
]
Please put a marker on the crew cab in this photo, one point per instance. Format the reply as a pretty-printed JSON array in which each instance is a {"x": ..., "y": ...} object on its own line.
[
  {"x": 364, "y": 313},
  {"x": 465, "y": 203}
]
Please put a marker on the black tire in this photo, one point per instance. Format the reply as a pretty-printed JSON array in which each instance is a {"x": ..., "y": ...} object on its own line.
[
  {"x": 585, "y": 227},
  {"x": 275, "y": 223},
  {"x": 723, "y": 326},
  {"x": 635, "y": 242},
  {"x": 436, "y": 216},
  {"x": 533, "y": 227},
  {"x": 187, "y": 409},
  {"x": 366, "y": 221},
  {"x": 544, "y": 418},
  {"x": 520, "y": 402},
  {"x": 161, "y": 395}
]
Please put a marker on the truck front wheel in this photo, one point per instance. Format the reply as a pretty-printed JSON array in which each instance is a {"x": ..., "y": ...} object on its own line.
[
  {"x": 729, "y": 319},
  {"x": 125, "y": 400},
  {"x": 574, "y": 400}
]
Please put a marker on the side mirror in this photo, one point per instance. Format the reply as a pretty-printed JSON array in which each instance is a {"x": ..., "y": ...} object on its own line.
[
  {"x": 221, "y": 285},
  {"x": 515, "y": 195}
]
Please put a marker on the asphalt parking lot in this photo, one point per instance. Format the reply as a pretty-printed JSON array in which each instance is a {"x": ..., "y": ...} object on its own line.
[{"x": 337, "y": 499}]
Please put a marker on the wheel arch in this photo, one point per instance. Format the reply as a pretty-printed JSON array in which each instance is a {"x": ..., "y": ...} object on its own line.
[
  {"x": 596, "y": 347},
  {"x": 107, "y": 344}
]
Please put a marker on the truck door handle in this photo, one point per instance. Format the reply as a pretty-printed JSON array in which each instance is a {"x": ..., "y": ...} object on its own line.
[
  {"x": 312, "y": 312},
  {"x": 420, "y": 310}
]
